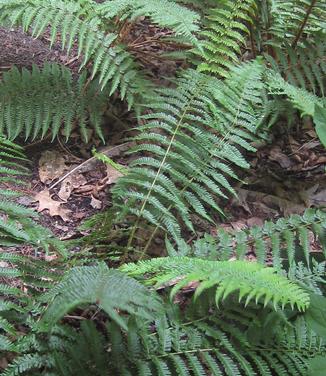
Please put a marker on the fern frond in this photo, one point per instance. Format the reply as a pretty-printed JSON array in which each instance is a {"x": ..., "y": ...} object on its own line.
[
  {"x": 49, "y": 100},
  {"x": 303, "y": 67},
  {"x": 108, "y": 288},
  {"x": 165, "y": 13},
  {"x": 293, "y": 21},
  {"x": 186, "y": 147},
  {"x": 77, "y": 20},
  {"x": 223, "y": 35},
  {"x": 252, "y": 280},
  {"x": 301, "y": 99},
  {"x": 283, "y": 243}
]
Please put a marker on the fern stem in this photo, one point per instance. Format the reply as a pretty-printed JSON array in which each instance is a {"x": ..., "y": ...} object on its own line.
[
  {"x": 298, "y": 36},
  {"x": 218, "y": 145},
  {"x": 134, "y": 229}
]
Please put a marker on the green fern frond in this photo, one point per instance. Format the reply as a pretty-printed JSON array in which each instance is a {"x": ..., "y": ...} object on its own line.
[
  {"x": 108, "y": 288},
  {"x": 223, "y": 35},
  {"x": 301, "y": 99},
  {"x": 293, "y": 21},
  {"x": 201, "y": 346},
  {"x": 303, "y": 67},
  {"x": 283, "y": 243},
  {"x": 49, "y": 100},
  {"x": 190, "y": 139},
  {"x": 165, "y": 13},
  {"x": 78, "y": 21},
  {"x": 252, "y": 280}
]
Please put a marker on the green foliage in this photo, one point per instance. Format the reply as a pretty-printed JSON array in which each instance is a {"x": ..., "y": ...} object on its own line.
[
  {"x": 251, "y": 280},
  {"x": 190, "y": 138},
  {"x": 201, "y": 337},
  {"x": 111, "y": 290},
  {"x": 301, "y": 99},
  {"x": 292, "y": 20},
  {"x": 212, "y": 345},
  {"x": 304, "y": 67},
  {"x": 86, "y": 24},
  {"x": 223, "y": 35},
  {"x": 79, "y": 316},
  {"x": 284, "y": 243},
  {"x": 320, "y": 123},
  {"x": 165, "y": 13},
  {"x": 49, "y": 100},
  {"x": 17, "y": 223}
]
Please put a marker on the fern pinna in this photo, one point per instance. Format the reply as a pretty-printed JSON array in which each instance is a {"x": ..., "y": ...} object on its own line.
[
  {"x": 49, "y": 100},
  {"x": 223, "y": 35},
  {"x": 191, "y": 136}
]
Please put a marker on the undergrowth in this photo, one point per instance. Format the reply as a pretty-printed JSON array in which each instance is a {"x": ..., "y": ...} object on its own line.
[{"x": 202, "y": 308}]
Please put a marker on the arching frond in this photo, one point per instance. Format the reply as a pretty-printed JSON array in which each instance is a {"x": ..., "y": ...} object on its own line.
[
  {"x": 190, "y": 139},
  {"x": 223, "y": 35},
  {"x": 78, "y": 22},
  {"x": 251, "y": 280},
  {"x": 109, "y": 289},
  {"x": 181, "y": 20}
]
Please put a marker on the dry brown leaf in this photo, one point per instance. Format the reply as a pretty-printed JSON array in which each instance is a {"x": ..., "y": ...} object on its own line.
[
  {"x": 112, "y": 174},
  {"x": 95, "y": 203},
  {"x": 278, "y": 156},
  {"x": 71, "y": 183},
  {"x": 51, "y": 165},
  {"x": 54, "y": 207}
]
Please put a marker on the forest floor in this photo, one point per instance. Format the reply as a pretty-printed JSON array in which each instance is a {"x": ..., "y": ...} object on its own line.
[{"x": 68, "y": 185}]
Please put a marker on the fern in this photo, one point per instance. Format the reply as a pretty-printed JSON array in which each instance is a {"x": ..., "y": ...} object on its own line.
[
  {"x": 187, "y": 145},
  {"x": 293, "y": 21},
  {"x": 251, "y": 280},
  {"x": 301, "y": 99},
  {"x": 304, "y": 67},
  {"x": 223, "y": 35},
  {"x": 112, "y": 64},
  {"x": 284, "y": 244},
  {"x": 17, "y": 225},
  {"x": 217, "y": 344},
  {"x": 109, "y": 289},
  {"x": 182, "y": 21},
  {"x": 49, "y": 100}
]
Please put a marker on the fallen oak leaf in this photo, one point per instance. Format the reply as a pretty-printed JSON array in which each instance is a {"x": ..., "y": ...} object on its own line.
[
  {"x": 54, "y": 207},
  {"x": 69, "y": 184}
]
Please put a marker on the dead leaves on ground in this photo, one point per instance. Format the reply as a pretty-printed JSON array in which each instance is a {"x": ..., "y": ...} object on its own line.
[
  {"x": 82, "y": 180},
  {"x": 55, "y": 208}
]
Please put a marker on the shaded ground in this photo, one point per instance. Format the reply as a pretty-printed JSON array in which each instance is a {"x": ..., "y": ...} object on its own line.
[{"x": 21, "y": 50}]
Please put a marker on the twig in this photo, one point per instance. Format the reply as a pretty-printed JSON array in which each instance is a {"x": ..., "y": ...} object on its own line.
[{"x": 83, "y": 164}]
